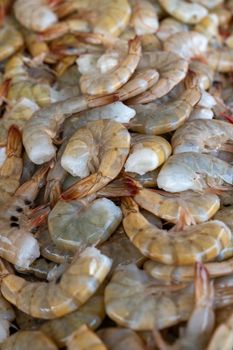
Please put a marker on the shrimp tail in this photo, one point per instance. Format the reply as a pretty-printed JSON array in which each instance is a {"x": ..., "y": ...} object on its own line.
[
  {"x": 81, "y": 188},
  {"x": 159, "y": 341},
  {"x": 4, "y": 87},
  {"x": 128, "y": 205},
  {"x": 204, "y": 288},
  {"x": 122, "y": 187},
  {"x": 53, "y": 193},
  {"x": 14, "y": 142},
  {"x": 227, "y": 116},
  {"x": 39, "y": 215}
]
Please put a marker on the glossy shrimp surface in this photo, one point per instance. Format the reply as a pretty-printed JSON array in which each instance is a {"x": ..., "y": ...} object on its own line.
[{"x": 85, "y": 339}]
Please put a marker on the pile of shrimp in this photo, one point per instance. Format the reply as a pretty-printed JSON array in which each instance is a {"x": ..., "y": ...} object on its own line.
[{"x": 116, "y": 174}]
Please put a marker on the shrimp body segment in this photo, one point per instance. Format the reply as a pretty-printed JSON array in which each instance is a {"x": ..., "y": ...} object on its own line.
[
  {"x": 147, "y": 153},
  {"x": 194, "y": 171},
  {"x": 201, "y": 242},
  {"x": 226, "y": 216},
  {"x": 144, "y": 17},
  {"x": 113, "y": 80},
  {"x": 84, "y": 339},
  {"x": 203, "y": 136},
  {"x": 171, "y": 68},
  {"x": 121, "y": 339},
  {"x": 11, "y": 40},
  {"x": 51, "y": 300},
  {"x": 187, "y": 207}
]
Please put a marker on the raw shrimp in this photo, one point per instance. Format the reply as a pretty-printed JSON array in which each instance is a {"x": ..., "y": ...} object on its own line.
[
  {"x": 111, "y": 17},
  {"x": 171, "y": 68},
  {"x": 140, "y": 82},
  {"x": 226, "y": 215},
  {"x": 40, "y": 268},
  {"x": 201, "y": 113},
  {"x": 194, "y": 171},
  {"x": 203, "y": 136},
  {"x": 35, "y": 15},
  {"x": 109, "y": 82},
  {"x": 203, "y": 72},
  {"x": 84, "y": 339},
  {"x": 18, "y": 245},
  {"x": 91, "y": 313},
  {"x": 27, "y": 339},
  {"x": 187, "y": 44},
  {"x": 201, "y": 322},
  {"x": 134, "y": 299},
  {"x": 51, "y": 300},
  {"x": 6, "y": 316},
  {"x": 74, "y": 225},
  {"x": 121, "y": 339},
  {"x": 41, "y": 129},
  {"x": 208, "y": 26},
  {"x": 147, "y": 180},
  {"x": 147, "y": 153},
  {"x": 221, "y": 60},
  {"x": 37, "y": 48},
  {"x": 11, "y": 40},
  {"x": 184, "y": 11},
  {"x": 222, "y": 337},
  {"x": 209, "y": 4},
  {"x": 148, "y": 117},
  {"x": 169, "y": 26},
  {"x": 183, "y": 274},
  {"x": 144, "y": 17},
  {"x": 201, "y": 242},
  {"x": 184, "y": 208},
  {"x": 99, "y": 148},
  {"x": 11, "y": 170}
]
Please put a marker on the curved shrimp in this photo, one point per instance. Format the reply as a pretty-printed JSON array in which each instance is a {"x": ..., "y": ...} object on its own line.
[
  {"x": 25, "y": 339},
  {"x": 113, "y": 80},
  {"x": 84, "y": 339},
  {"x": 11, "y": 40},
  {"x": 44, "y": 125},
  {"x": 187, "y": 44},
  {"x": 135, "y": 300},
  {"x": 206, "y": 239},
  {"x": 18, "y": 245},
  {"x": 171, "y": 68},
  {"x": 101, "y": 148},
  {"x": 121, "y": 339},
  {"x": 220, "y": 60},
  {"x": 201, "y": 322},
  {"x": 147, "y": 153},
  {"x": 148, "y": 117},
  {"x": 183, "y": 209},
  {"x": 140, "y": 82},
  {"x": 51, "y": 300},
  {"x": 11, "y": 170},
  {"x": 203, "y": 136},
  {"x": 194, "y": 171},
  {"x": 226, "y": 215},
  {"x": 77, "y": 224},
  {"x": 183, "y": 274},
  {"x": 92, "y": 313},
  {"x": 144, "y": 17},
  {"x": 184, "y": 11},
  {"x": 37, "y": 15},
  {"x": 204, "y": 74},
  {"x": 111, "y": 17}
]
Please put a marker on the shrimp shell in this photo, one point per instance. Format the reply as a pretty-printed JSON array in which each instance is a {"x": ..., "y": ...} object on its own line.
[
  {"x": 201, "y": 242},
  {"x": 144, "y": 17},
  {"x": 51, "y": 300},
  {"x": 84, "y": 339},
  {"x": 226, "y": 215},
  {"x": 25, "y": 339},
  {"x": 121, "y": 339},
  {"x": 220, "y": 60}
]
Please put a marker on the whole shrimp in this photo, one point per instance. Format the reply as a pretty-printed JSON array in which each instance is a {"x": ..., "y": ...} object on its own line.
[
  {"x": 111, "y": 17},
  {"x": 144, "y": 17},
  {"x": 84, "y": 339},
  {"x": 203, "y": 136},
  {"x": 201, "y": 322},
  {"x": 184, "y": 11},
  {"x": 11, "y": 170},
  {"x": 187, "y": 44},
  {"x": 25, "y": 339},
  {"x": 99, "y": 148},
  {"x": 183, "y": 274},
  {"x": 18, "y": 245},
  {"x": 184, "y": 208},
  {"x": 135, "y": 300},
  {"x": 37, "y": 15},
  {"x": 51, "y": 300},
  {"x": 148, "y": 117},
  {"x": 206, "y": 239},
  {"x": 171, "y": 68},
  {"x": 147, "y": 153},
  {"x": 91, "y": 313},
  {"x": 121, "y": 339},
  {"x": 43, "y": 126},
  {"x": 195, "y": 171},
  {"x": 111, "y": 81}
]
